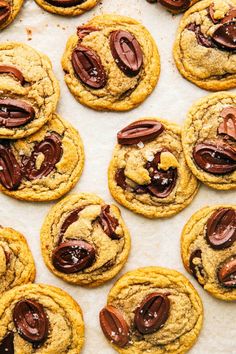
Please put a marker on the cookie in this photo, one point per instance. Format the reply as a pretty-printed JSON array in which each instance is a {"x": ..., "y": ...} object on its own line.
[
  {"x": 152, "y": 310},
  {"x": 209, "y": 140},
  {"x": 37, "y": 318},
  {"x": 208, "y": 248},
  {"x": 29, "y": 90},
  {"x": 205, "y": 45},
  {"x": 175, "y": 6},
  {"x": 43, "y": 166},
  {"x": 67, "y": 7},
  {"x": 111, "y": 64},
  {"x": 16, "y": 261},
  {"x": 148, "y": 173},
  {"x": 8, "y": 11},
  {"x": 84, "y": 241}
]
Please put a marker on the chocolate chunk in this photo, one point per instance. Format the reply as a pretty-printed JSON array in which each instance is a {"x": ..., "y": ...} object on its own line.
[
  {"x": 225, "y": 36},
  {"x": 70, "y": 219},
  {"x": 221, "y": 228},
  {"x": 73, "y": 256},
  {"x": 10, "y": 172},
  {"x": 31, "y": 321},
  {"x": 152, "y": 313},
  {"x": 201, "y": 38},
  {"x": 5, "y": 10},
  {"x": 211, "y": 13},
  {"x": 196, "y": 268},
  {"x": 177, "y": 5},
  {"x": 152, "y": 1},
  {"x": 120, "y": 178},
  {"x": 216, "y": 158},
  {"x": 7, "y": 344},
  {"x": 88, "y": 67},
  {"x": 108, "y": 222},
  {"x": 15, "y": 113},
  {"x": 11, "y": 70},
  {"x": 228, "y": 126},
  {"x": 114, "y": 326},
  {"x": 143, "y": 131},
  {"x": 83, "y": 31},
  {"x": 162, "y": 182},
  {"x": 126, "y": 52},
  {"x": 230, "y": 16},
  {"x": 65, "y": 3},
  {"x": 51, "y": 148},
  {"x": 227, "y": 273}
]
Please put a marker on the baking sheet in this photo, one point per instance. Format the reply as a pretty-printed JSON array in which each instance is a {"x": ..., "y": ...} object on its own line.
[{"x": 154, "y": 242}]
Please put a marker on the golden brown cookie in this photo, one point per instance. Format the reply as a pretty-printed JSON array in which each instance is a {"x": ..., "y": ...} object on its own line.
[
  {"x": 43, "y": 166},
  {"x": 37, "y": 318},
  {"x": 85, "y": 241},
  {"x": 205, "y": 45},
  {"x": 148, "y": 173},
  {"x": 209, "y": 140},
  {"x": 16, "y": 261},
  {"x": 208, "y": 248},
  {"x": 8, "y": 11},
  {"x": 29, "y": 90},
  {"x": 152, "y": 310},
  {"x": 67, "y": 7},
  {"x": 111, "y": 64},
  {"x": 175, "y": 6}
]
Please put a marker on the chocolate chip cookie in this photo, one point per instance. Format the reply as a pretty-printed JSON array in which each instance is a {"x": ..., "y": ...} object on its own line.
[
  {"x": 209, "y": 140},
  {"x": 16, "y": 261},
  {"x": 175, "y": 6},
  {"x": 111, "y": 64},
  {"x": 205, "y": 45},
  {"x": 85, "y": 241},
  {"x": 208, "y": 248},
  {"x": 43, "y": 166},
  {"x": 67, "y": 7},
  {"x": 37, "y": 318},
  {"x": 8, "y": 11},
  {"x": 29, "y": 90},
  {"x": 152, "y": 310},
  {"x": 148, "y": 173}
]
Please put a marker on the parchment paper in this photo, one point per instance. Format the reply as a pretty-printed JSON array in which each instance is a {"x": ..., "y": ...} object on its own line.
[{"x": 154, "y": 242}]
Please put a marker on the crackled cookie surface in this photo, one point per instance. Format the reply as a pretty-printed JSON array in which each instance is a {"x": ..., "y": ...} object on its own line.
[
  {"x": 43, "y": 166},
  {"x": 37, "y": 318},
  {"x": 208, "y": 247},
  {"x": 16, "y": 261},
  {"x": 85, "y": 241},
  {"x": 8, "y": 11},
  {"x": 148, "y": 172},
  {"x": 111, "y": 64},
  {"x": 67, "y": 7},
  {"x": 152, "y": 310},
  {"x": 205, "y": 45},
  {"x": 209, "y": 140},
  {"x": 29, "y": 90},
  {"x": 175, "y": 6}
]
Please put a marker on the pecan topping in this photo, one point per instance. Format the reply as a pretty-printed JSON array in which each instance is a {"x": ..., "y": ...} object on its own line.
[
  {"x": 114, "y": 326},
  {"x": 11, "y": 70},
  {"x": 7, "y": 344},
  {"x": 196, "y": 267},
  {"x": 152, "y": 313},
  {"x": 144, "y": 130},
  {"x": 228, "y": 126},
  {"x": 217, "y": 158},
  {"x": 31, "y": 321},
  {"x": 51, "y": 148},
  {"x": 65, "y": 3},
  {"x": 5, "y": 10},
  {"x": 221, "y": 228},
  {"x": 227, "y": 273},
  {"x": 88, "y": 67},
  {"x": 201, "y": 38},
  {"x": 10, "y": 172},
  {"x": 225, "y": 36},
  {"x": 83, "y": 31},
  {"x": 15, "y": 113},
  {"x": 177, "y": 5},
  {"x": 108, "y": 222},
  {"x": 73, "y": 256},
  {"x": 126, "y": 52}
]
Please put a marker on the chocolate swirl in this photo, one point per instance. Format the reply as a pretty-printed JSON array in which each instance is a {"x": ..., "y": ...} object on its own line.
[
  {"x": 10, "y": 171},
  {"x": 176, "y": 5},
  {"x": 5, "y": 10},
  {"x": 11, "y": 70},
  {"x": 228, "y": 126},
  {"x": 108, "y": 222},
  {"x": 7, "y": 344},
  {"x": 227, "y": 273},
  {"x": 65, "y": 3},
  {"x": 15, "y": 113}
]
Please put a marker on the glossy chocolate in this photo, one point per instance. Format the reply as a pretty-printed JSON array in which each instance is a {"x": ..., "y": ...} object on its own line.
[
  {"x": 15, "y": 113},
  {"x": 10, "y": 171},
  {"x": 108, "y": 222},
  {"x": 11, "y": 70},
  {"x": 228, "y": 126},
  {"x": 227, "y": 273}
]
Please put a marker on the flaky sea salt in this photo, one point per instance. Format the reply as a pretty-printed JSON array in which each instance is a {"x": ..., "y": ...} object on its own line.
[{"x": 140, "y": 145}]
